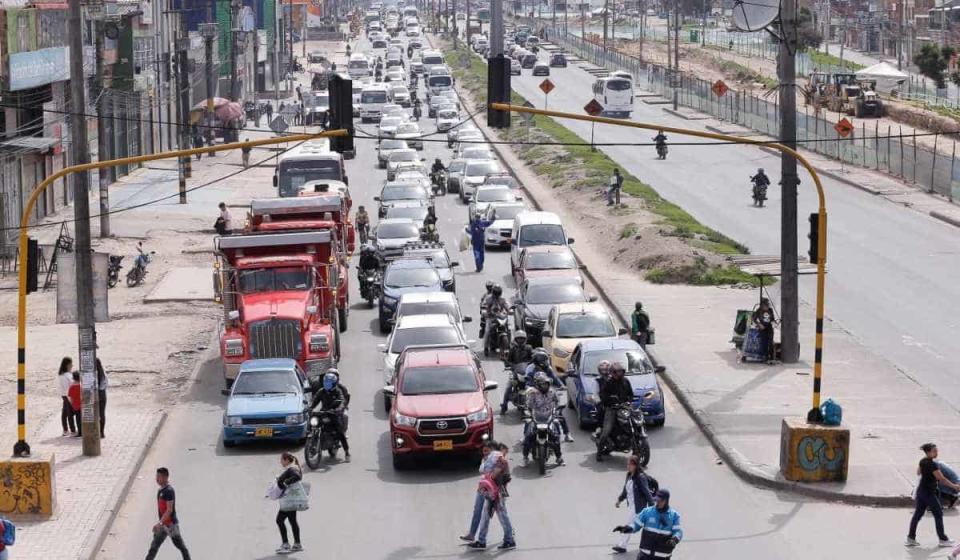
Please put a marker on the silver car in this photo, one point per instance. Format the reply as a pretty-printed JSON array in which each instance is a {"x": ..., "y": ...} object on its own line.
[
  {"x": 474, "y": 175},
  {"x": 399, "y": 156},
  {"x": 411, "y": 133},
  {"x": 388, "y": 126},
  {"x": 388, "y": 146}
]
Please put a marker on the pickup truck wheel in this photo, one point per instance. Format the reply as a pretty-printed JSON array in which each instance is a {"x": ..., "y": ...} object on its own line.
[
  {"x": 400, "y": 462},
  {"x": 387, "y": 404}
]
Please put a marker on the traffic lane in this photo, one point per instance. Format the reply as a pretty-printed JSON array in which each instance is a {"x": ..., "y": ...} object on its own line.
[{"x": 907, "y": 256}]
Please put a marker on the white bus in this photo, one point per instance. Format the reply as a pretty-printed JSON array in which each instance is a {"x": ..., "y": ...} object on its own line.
[
  {"x": 310, "y": 161},
  {"x": 615, "y": 93},
  {"x": 372, "y": 100}
]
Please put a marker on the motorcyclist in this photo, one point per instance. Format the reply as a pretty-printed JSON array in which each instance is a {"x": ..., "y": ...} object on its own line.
[
  {"x": 496, "y": 306},
  {"x": 368, "y": 262},
  {"x": 437, "y": 167},
  {"x": 417, "y": 111},
  {"x": 540, "y": 363},
  {"x": 520, "y": 353},
  {"x": 659, "y": 527},
  {"x": 616, "y": 391},
  {"x": 334, "y": 397},
  {"x": 760, "y": 179},
  {"x": 430, "y": 225},
  {"x": 483, "y": 307},
  {"x": 661, "y": 141},
  {"x": 541, "y": 401}
]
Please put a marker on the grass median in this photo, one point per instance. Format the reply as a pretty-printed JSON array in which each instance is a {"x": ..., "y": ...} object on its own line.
[{"x": 579, "y": 166}]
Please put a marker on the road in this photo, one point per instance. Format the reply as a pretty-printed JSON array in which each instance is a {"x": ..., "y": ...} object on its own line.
[
  {"x": 366, "y": 510},
  {"x": 887, "y": 264}
]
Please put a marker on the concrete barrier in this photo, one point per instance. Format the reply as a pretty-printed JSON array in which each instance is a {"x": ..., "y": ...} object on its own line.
[
  {"x": 27, "y": 487},
  {"x": 812, "y": 452}
]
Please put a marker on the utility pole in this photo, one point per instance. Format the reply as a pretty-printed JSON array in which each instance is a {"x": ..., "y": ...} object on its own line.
[
  {"x": 290, "y": 60},
  {"x": 183, "y": 91},
  {"x": 208, "y": 31},
  {"x": 676, "y": 54},
  {"x": 103, "y": 175},
  {"x": 789, "y": 319},
  {"x": 467, "y": 30},
  {"x": 86, "y": 327},
  {"x": 234, "y": 51},
  {"x": 606, "y": 15},
  {"x": 496, "y": 28}
]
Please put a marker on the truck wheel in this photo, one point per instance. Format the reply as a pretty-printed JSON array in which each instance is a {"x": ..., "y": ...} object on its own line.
[
  {"x": 343, "y": 319},
  {"x": 400, "y": 462},
  {"x": 229, "y": 443},
  {"x": 387, "y": 404}
]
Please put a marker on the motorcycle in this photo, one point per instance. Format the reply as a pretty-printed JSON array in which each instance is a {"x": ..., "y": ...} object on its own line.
[
  {"x": 113, "y": 270},
  {"x": 138, "y": 273},
  {"x": 629, "y": 434},
  {"x": 363, "y": 230},
  {"x": 518, "y": 386},
  {"x": 369, "y": 285},
  {"x": 429, "y": 234},
  {"x": 321, "y": 436},
  {"x": 546, "y": 435},
  {"x": 759, "y": 193},
  {"x": 498, "y": 336},
  {"x": 439, "y": 180},
  {"x": 662, "y": 150}
]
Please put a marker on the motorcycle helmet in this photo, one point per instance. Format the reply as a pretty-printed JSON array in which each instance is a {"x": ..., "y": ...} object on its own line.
[
  {"x": 638, "y": 306},
  {"x": 330, "y": 379},
  {"x": 603, "y": 368},
  {"x": 497, "y": 290},
  {"x": 489, "y": 286},
  {"x": 520, "y": 337},
  {"x": 542, "y": 382},
  {"x": 617, "y": 369},
  {"x": 540, "y": 357},
  {"x": 759, "y": 171}
]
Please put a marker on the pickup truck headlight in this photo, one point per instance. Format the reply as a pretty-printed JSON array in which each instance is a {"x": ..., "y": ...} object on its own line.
[
  {"x": 232, "y": 421},
  {"x": 319, "y": 343},
  {"x": 562, "y": 354},
  {"x": 481, "y": 415},
  {"x": 295, "y": 418},
  {"x": 592, "y": 399},
  {"x": 402, "y": 420},
  {"x": 233, "y": 347}
]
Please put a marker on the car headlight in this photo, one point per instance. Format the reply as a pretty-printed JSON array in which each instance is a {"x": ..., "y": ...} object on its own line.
[
  {"x": 314, "y": 421},
  {"x": 481, "y": 415},
  {"x": 319, "y": 343},
  {"x": 295, "y": 418},
  {"x": 532, "y": 322},
  {"x": 562, "y": 354},
  {"x": 402, "y": 420},
  {"x": 232, "y": 421},
  {"x": 233, "y": 347},
  {"x": 592, "y": 398}
]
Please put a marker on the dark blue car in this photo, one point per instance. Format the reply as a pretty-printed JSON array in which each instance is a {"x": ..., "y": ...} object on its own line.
[
  {"x": 405, "y": 276},
  {"x": 582, "y": 376}
]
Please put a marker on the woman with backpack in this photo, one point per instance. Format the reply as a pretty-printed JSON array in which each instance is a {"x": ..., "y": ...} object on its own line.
[
  {"x": 638, "y": 494},
  {"x": 289, "y": 483},
  {"x": 493, "y": 488}
]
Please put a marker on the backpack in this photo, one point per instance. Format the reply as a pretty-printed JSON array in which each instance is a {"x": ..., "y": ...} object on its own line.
[
  {"x": 831, "y": 412},
  {"x": 652, "y": 484},
  {"x": 9, "y": 532}
]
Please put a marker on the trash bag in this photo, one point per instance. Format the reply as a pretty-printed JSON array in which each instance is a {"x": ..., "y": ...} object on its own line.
[
  {"x": 465, "y": 241},
  {"x": 740, "y": 324},
  {"x": 832, "y": 413},
  {"x": 295, "y": 498}
]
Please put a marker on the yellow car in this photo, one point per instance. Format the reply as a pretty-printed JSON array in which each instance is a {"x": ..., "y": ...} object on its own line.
[{"x": 570, "y": 324}]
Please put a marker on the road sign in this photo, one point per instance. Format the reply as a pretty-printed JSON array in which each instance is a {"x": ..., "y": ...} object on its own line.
[
  {"x": 546, "y": 86},
  {"x": 719, "y": 88},
  {"x": 594, "y": 108},
  {"x": 527, "y": 117},
  {"x": 278, "y": 125},
  {"x": 844, "y": 127}
]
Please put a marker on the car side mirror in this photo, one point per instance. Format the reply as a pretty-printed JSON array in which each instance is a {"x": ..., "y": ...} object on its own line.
[
  {"x": 467, "y": 319},
  {"x": 569, "y": 241},
  {"x": 592, "y": 299},
  {"x": 454, "y": 263},
  {"x": 377, "y": 198},
  {"x": 621, "y": 331},
  {"x": 382, "y": 348},
  {"x": 660, "y": 369},
  {"x": 390, "y": 390},
  {"x": 225, "y": 392},
  {"x": 490, "y": 385},
  {"x": 583, "y": 267}
]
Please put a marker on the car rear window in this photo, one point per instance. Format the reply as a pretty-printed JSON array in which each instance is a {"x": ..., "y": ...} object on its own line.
[
  {"x": 430, "y": 336},
  {"x": 554, "y": 294},
  {"x": 549, "y": 261},
  {"x": 635, "y": 362}
]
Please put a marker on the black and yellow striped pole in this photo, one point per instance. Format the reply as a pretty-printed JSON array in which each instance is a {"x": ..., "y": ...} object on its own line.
[
  {"x": 21, "y": 448},
  {"x": 814, "y": 414}
]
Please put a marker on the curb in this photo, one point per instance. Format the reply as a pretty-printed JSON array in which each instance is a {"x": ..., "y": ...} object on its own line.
[
  {"x": 730, "y": 456},
  {"x": 833, "y": 175},
  {"x": 946, "y": 218},
  {"x": 695, "y": 116}
]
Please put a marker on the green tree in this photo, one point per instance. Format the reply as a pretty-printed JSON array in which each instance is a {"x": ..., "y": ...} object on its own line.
[{"x": 933, "y": 63}]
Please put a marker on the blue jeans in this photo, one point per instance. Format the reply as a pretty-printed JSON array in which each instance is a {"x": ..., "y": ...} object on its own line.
[
  {"x": 3, "y": 554},
  {"x": 502, "y": 515},
  {"x": 927, "y": 500},
  {"x": 477, "y": 511},
  {"x": 478, "y": 257}
]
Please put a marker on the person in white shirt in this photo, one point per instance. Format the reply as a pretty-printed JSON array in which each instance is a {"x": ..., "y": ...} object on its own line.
[
  {"x": 224, "y": 223},
  {"x": 102, "y": 384},
  {"x": 64, "y": 379}
]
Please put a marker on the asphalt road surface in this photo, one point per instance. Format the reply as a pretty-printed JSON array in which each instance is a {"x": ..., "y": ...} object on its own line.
[
  {"x": 366, "y": 510},
  {"x": 887, "y": 265}
]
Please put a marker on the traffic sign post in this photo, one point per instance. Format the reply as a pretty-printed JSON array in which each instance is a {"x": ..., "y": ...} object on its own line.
[
  {"x": 843, "y": 127},
  {"x": 594, "y": 109},
  {"x": 719, "y": 88},
  {"x": 546, "y": 86}
]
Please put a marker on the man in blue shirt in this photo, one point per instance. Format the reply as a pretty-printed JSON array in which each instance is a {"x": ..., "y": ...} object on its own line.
[{"x": 659, "y": 528}]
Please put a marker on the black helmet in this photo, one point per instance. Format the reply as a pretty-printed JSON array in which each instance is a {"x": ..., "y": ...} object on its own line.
[
  {"x": 490, "y": 285},
  {"x": 437, "y": 160},
  {"x": 638, "y": 305},
  {"x": 497, "y": 290},
  {"x": 540, "y": 356},
  {"x": 542, "y": 382}
]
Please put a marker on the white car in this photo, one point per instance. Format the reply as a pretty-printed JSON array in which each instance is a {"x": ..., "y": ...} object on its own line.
[
  {"x": 465, "y": 127},
  {"x": 399, "y": 156},
  {"x": 469, "y": 150},
  {"x": 447, "y": 119},
  {"x": 394, "y": 110},
  {"x": 388, "y": 126},
  {"x": 387, "y": 147},
  {"x": 431, "y": 303},
  {"x": 485, "y": 195},
  {"x": 467, "y": 138},
  {"x": 400, "y": 95},
  {"x": 499, "y": 233},
  {"x": 395, "y": 74},
  {"x": 474, "y": 174},
  {"x": 430, "y": 330},
  {"x": 410, "y": 132}
]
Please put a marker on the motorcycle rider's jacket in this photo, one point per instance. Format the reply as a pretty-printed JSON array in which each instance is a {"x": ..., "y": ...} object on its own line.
[
  {"x": 533, "y": 370},
  {"x": 437, "y": 166},
  {"x": 761, "y": 179},
  {"x": 616, "y": 392},
  {"x": 542, "y": 404},
  {"x": 657, "y": 528},
  {"x": 368, "y": 261},
  {"x": 334, "y": 400},
  {"x": 660, "y": 139},
  {"x": 520, "y": 354},
  {"x": 497, "y": 306}
]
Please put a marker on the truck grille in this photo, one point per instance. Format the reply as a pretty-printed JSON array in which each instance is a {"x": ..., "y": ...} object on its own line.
[
  {"x": 442, "y": 426},
  {"x": 264, "y": 420},
  {"x": 275, "y": 338}
]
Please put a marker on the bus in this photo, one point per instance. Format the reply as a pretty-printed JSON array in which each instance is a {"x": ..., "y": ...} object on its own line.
[
  {"x": 310, "y": 161},
  {"x": 615, "y": 93}
]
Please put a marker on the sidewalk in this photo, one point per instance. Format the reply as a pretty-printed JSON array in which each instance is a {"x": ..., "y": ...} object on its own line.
[{"x": 740, "y": 406}]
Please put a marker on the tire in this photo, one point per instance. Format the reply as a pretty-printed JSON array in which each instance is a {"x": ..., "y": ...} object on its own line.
[
  {"x": 370, "y": 297},
  {"x": 400, "y": 463},
  {"x": 387, "y": 403},
  {"x": 112, "y": 281},
  {"x": 312, "y": 454},
  {"x": 332, "y": 453},
  {"x": 134, "y": 277},
  {"x": 643, "y": 452},
  {"x": 342, "y": 315},
  {"x": 542, "y": 459}
]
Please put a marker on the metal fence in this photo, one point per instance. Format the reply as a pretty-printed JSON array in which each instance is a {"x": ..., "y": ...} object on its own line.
[{"x": 887, "y": 150}]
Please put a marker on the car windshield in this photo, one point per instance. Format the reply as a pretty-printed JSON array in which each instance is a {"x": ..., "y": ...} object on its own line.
[
  {"x": 550, "y": 261},
  {"x": 585, "y": 325},
  {"x": 411, "y": 278},
  {"x": 274, "y": 279},
  {"x": 397, "y": 230},
  {"x": 494, "y": 195},
  {"x": 266, "y": 383},
  {"x": 404, "y": 192},
  {"x": 379, "y": 44},
  {"x": 430, "y": 308},
  {"x": 432, "y": 59},
  {"x": 437, "y": 258},
  {"x": 401, "y": 90},
  {"x": 635, "y": 362},
  {"x": 554, "y": 294},
  {"x": 358, "y": 64},
  {"x": 390, "y": 121},
  {"x": 481, "y": 168},
  {"x": 505, "y": 212},
  {"x": 412, "y": 212},
  {"x": 501, "y": 180},
  {"x": 407, "y": 155},
  {"x": 430, "y": 336},
  {"x": 393, "y": 145},
  {"x": 456, "y": 166},
  {"x": 373, "y": 97},
  {"x": 440, "y": 81},
  {"x": 618, "y": 85},
  {"x": 295, "y": 173},
  {"x": 409, "y": 128},
  {"x": 477, "y": 152},
  {"x": 438, "y": 380},
  {"x": 448, "y": 115},
  {"x": 541, "y": 234}
]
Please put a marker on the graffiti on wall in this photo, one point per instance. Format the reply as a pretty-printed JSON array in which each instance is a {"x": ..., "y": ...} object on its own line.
[
  {"x": 814, "y": 454},
  {"x": 25, "y": 488}
]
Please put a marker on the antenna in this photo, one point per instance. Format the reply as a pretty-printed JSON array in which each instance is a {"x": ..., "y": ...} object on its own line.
[{"x": 755, "y": 15}]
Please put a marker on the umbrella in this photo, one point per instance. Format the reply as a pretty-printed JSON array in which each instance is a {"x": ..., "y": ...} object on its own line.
[
  {"x": 229, "y": 111},
  {"x": 217, "y": 102}
]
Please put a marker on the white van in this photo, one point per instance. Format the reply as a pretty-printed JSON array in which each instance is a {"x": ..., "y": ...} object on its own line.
[
  {"x": 531, "y": 229},
  {"x": 431, "y": 59},
  {"x": 372, "y": 100},
  {"x": 359, "y": 66},
  {"x": 438, "y": 83}
]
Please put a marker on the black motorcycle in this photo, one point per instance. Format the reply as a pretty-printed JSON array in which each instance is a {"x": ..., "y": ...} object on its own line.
[
  {"x": 113, "y": 270},
  {"x": 498, "y": 336},
  {"x": 518, "y": 386},
  {"x": 439, "y": 181},
  {"x": 661, "y": 150},
  {"x": 629, "y": 434},
  {"x": 416, "y": 112},
  {"x": 759, "y": 193},
  {"x": 546, "y": 436},
  {"x": 322, "y": 435},
  {"x": 363, "y": 230},
  {"x": 369, "y": 285}
]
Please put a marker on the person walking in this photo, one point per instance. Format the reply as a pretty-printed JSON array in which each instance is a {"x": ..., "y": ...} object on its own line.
[
  {"x": 6, "y": 526},
  {"x": 928, "y": 497},
  {"x": 292, "y": 474},
  {"x": 75, "y": 401},
  {"x": 64, "y": 380},
  {"x": 613, "y": 192},
  {"x": 765, "y": 320},
  {"x": 476, "y": 231},
  {"x": 493, "y": 487},
  {"x": 102, "y": 384},
  {"x": 659, "y": 528},
  {"x": 488, "y": 459},
  {"x": 197, "y": 141},
  {"x": 636, "y": 492},
  {"x": 268, "y": 107},
  {"x": 245, "y": 153},
  {"x": 168, "y": 524},
  {"x": 640, "y": 325}
]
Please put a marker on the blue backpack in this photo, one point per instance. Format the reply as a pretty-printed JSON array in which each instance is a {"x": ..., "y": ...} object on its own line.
[
  {"x": 831, "y": 412},
  {"x": 9, "y": 532}
]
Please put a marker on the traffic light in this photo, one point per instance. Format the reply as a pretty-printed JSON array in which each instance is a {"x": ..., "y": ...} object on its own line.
[
  {"x": 33, "y": 264},
  {"x": 341, "y": 114},
  {"x": 498, "y": 90},
  {"x": 814, "y": 237}
]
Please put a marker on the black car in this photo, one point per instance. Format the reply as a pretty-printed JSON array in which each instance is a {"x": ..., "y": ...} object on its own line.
[
  {"x": 435, "y": 254},
  {"x": 404, "y": 276},
  {"x": 528, "y": 61},
  {"x": 537, "y": 296},
  {"x": 558, "y": 60}
]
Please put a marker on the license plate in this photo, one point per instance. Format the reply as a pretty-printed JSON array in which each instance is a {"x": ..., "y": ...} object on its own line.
[
  {"x": 263, "y": 432},
  {"x": 443, "y": 445}
]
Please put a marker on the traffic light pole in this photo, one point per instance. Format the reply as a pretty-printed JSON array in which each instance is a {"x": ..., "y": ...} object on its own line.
[{"x": 818, "y": 237}]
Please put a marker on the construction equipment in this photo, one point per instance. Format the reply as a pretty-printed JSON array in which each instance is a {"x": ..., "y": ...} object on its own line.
[{"x": 844, "y": 93}]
